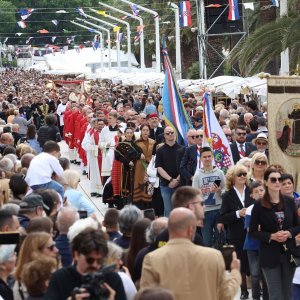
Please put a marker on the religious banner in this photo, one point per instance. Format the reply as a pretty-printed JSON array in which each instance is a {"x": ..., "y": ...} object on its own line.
[{"x": 284, "y": 123}]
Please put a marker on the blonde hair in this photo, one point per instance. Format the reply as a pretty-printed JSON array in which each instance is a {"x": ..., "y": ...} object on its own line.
[
  {"x": 230, "y": 175},
  {"x": 32, "y": 246},
  {"x": 257, "y": 156},
  {"x": 114, "y": 252},
  {"x": 72, "y": 178}
]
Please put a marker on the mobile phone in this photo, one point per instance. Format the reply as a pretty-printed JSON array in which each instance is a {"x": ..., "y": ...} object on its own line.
[
  {"x": 218, "y": 182},
  {"x": 227, "y": 251},
  {"x": 82, "y": 214},
  {"x": 8, "y": 238},
  {"x": 149, "y": 214}
]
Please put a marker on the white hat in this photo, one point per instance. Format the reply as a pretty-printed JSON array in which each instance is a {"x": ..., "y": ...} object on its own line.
[{"x": 260, "y": 136}]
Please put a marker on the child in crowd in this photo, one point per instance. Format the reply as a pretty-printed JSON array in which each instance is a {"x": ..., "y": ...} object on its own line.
[{"x": 252, "y": 245}]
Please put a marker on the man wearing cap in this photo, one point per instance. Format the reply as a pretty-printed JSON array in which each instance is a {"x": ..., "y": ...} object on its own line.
[
  {"x": 31, "y": 206},
  {"x": 261, "y": 143},
  {"x": 156, "y": 132}
]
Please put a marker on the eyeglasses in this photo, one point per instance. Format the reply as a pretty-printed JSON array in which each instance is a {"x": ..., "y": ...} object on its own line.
[
  {"x": 275, "y": 179},
  {"x": 51, "y": 248},
  {"x": 91, "y": 260},
  {"x": 261, "y": 143},
  {"x": 260, "y": 162},
  {"x": 244, "y": 174},
  {"x": 169, "y": 133},
  {"x": 241, "y": 133},
  {"x": 196, "y": 136},
  {"x": 196, "y": 202}
]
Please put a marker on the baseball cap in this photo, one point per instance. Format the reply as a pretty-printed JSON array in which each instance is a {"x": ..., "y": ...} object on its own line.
[{"x": 32, "y": 201}]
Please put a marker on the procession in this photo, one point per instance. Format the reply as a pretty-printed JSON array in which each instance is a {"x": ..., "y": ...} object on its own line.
[{"x": 125, "y": 175}]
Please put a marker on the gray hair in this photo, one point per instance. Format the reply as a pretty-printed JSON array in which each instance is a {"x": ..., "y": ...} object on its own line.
[
  {"x": 155, "y": 228},
  {"x": 81, "y": 225},
  {"x": 128, "y": 216},
  {"x": 6, "y": 252},
  {"x": 11, "y": 208},
  {"x": 6, "y": 164},
  {"x": 114, "y": 250},
  {"x": 66, "y": 217}
]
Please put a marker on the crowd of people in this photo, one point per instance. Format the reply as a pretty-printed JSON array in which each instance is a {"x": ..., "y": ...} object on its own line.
[{"x": 171, "y": 212}]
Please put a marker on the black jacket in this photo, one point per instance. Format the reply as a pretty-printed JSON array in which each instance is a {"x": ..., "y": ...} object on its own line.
[
  {"x": 263, "y": 223},
  {"x": 188, "y": 164},
  {"x": 48, "y": 133},
  {"x": 230, "y": 204},
  {"x": 158, "y": 135},
  {"x": 63, "y": 282},
  {"x": 249, "y": 147}
]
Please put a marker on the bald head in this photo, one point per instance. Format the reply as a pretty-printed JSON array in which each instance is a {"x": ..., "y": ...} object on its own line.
[{"x": 182, "y": 223}]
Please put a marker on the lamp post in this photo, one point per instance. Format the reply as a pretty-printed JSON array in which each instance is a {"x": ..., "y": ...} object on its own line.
[
  {"x": 111, "y": 25},
  {"x": 101, "y": 40},
  {"x": 157, "y": 40},
  {"x": 128, "y": 36},
  {"x": 177, "y": 34},
  {"x": 108, "y": 37},
  {"x": 142, "y": 48}
]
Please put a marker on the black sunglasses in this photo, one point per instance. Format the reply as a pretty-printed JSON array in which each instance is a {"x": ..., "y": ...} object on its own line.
[
  {"x": 241, "y": 174},
  {"x": 241, "y": 133},
  {"x": 91, "y": 260},
  {"x": 275, "y": 179},
  {"x": 260, "y": 162}
]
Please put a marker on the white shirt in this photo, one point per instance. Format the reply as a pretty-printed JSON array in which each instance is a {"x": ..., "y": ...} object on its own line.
[
  {"x": 242, "y": 199},
  {"x": 41, "y": 168},
  {"x": 60, "y": 110}
]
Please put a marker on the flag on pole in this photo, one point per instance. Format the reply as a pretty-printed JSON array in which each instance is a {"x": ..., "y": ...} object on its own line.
[
  {"x": 214, "y": 137},
  {"x": 92, "y": 30},
  {"x": 22, "y": 24},
  {"x": 25, "y": 12},
  {"x": 102, "y": 13},
  {"x": 18, "y": 33},
  {"x": 53, "y": 39},
  {"x": 185, "y": 14},
  {"x": 275, "y": 3},
  {"x": 96, "y": 42},
  {"x": 6, "y": 39},
  {"x": 55, "y": 22},
  {"x": 28, "y": 40},
  {"x": 134, "y": 9},
  {"x": 139, "y": 32},
  {"x": 175, "y": 114},
  {"x": 233, "y": 10},
  {"x": 213, "y": 6},
  {"x": 119, "y": 37},
  {"x": 81, "y": 11},
  {"x": 43, "y": 31},
  {"x": 116, "y": 28}
]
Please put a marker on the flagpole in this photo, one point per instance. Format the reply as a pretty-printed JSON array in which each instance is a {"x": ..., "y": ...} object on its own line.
[
  {"x": 157, "y": 38},
  {"x": 108, "y": 37},
  {"x": 178, "y": 45},
  {"x": 101, "y": 40},
  {"x": 108, "y": 24},
  {"x": 284, "y": 55},
  {"x": 128, "y": 36},
  {"x": 142, "y": 48}
]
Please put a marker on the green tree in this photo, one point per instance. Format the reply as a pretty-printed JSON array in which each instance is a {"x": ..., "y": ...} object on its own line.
[{"x": 8, "y": 20}]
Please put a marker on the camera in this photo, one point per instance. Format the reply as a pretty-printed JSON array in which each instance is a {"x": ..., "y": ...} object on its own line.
[{"x": 92, "y": 283}]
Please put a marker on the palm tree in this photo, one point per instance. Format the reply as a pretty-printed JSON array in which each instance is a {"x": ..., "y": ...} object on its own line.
[{"x": 266, "y": 43}]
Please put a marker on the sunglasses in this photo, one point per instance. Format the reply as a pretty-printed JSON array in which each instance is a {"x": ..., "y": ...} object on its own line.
[
  {"x": 261, "y": 143},
  {"x": 275, "y": 179},
  {"x": 241, "y": 133},
  {"x": 244, "y": 174},
  {"x": 260, "y": 162},
  {"x": 196, "y": 136},
  {"x": 51, "y": 248},
  {"x": 169, "y": 133},
  {"x": 91, "y": 260}
]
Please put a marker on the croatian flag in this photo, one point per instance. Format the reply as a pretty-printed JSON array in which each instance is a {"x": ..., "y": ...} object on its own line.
[
  {"x": 134, "y": 9},
  {"x": 185, "y": 14},
  {"x": 175, "y": 114},
  {"x": 214, "y": 137},
  {"x": 233, "y": 12},
  {"x": 275, "y": 3},
  {"x": 25, "y": 12},
  {"x": 22, "y": 24}
]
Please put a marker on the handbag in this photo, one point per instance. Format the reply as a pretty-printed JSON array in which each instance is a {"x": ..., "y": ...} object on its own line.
[{"x": 293, "y": 254}]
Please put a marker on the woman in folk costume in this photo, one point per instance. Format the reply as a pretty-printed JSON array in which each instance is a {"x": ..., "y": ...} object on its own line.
[
  {"x": 90, "y": 145},
  {"x": 127, "y": 153},
  {"x": 142, "y": 194}
]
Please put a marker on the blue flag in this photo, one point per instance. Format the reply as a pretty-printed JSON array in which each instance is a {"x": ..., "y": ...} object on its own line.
[{"x": 175, "y": 114}]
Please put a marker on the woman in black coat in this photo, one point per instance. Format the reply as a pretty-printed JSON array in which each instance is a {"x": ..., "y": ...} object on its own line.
[
  {"x": 274, "y": 222},
  {"x": 233, "y": 210}
]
